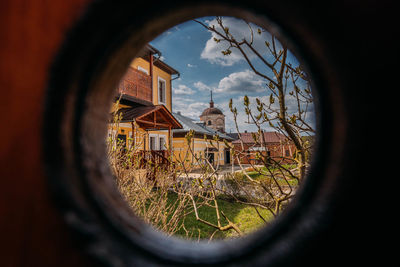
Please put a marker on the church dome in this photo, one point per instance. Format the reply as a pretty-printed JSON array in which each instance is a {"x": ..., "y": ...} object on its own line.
[
  {"x": 213, "y": 117},
  {"x": 211, "y": 111}
]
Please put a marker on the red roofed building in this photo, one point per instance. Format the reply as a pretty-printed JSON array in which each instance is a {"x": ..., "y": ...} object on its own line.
[{"x": 272, "y": 144}]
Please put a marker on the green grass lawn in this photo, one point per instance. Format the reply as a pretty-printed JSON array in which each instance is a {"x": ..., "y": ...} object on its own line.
[
  {"x": 257, "y": 176},
  {"x": 245, "y": 217}
]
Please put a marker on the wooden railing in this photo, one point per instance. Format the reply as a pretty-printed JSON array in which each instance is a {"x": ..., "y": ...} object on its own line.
[
  {"x": 137, "y": 84},
  {"x": 156, "y": 157},
  {"x": 155, "y": 161}
]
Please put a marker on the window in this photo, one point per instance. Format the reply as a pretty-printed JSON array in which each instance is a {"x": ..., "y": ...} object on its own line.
[
  {"x": 153, "y": 142},
  {"x": 157, "y": 142},
  {"x": 210, "y": 157},
  {"x": 209, "y": 123},
  {"x": 162, "y": 142},
  {"x": 287, "y": 153},
  {"x": 161, "y": 91}
]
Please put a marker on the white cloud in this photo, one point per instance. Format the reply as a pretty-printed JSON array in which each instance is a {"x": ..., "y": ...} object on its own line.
[
  {"x": 201, "y": 86},
  {"x": 183, "y": 90},
  {"x": 243, "y": 119},
  {"x": 191, "y": 110},
  {"x": 191, "y": 66},
  {"x": 182, "y": 99},
  {"x": 240, "y": 30},
  {"x": 245, "y": 81},
  {"x": 212, "y": 52}
]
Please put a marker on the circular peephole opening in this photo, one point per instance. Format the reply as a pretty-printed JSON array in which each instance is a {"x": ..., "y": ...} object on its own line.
[
  {"x": 186, "y": 140},
  {"x": 212, "y": 129}
]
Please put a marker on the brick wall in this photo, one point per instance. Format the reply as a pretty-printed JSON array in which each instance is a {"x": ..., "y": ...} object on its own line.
[{"x": 276, "y": 151}]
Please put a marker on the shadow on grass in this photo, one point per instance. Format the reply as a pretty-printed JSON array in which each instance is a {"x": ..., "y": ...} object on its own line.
[{"x": 244, "y": 216}]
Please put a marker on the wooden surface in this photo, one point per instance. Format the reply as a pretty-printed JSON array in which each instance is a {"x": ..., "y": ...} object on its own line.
[
  {"x": 137, "y": 84},
  {"x": 32, "y": 233},
  {"x": 361, "y": 228}
]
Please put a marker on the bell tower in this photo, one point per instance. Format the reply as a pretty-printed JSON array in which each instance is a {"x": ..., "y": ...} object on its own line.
[{"x": 213, "y": 117}]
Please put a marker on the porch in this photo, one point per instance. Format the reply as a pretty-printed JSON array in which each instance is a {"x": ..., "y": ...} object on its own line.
[{"x": 155, "y": 149}]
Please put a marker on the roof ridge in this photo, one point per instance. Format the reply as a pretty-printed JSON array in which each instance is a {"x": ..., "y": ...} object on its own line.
[{"x": 191, "y": 125}]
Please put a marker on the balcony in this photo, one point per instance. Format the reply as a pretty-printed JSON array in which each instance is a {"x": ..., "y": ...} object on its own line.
[{"x": 136, "y": 84}]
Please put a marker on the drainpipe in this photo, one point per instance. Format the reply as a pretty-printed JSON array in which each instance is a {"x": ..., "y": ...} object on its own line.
[
  {"x": 151, "y": 76},
  {"x": 152, "y": 60},
  {"x": 170, "y": 86}
]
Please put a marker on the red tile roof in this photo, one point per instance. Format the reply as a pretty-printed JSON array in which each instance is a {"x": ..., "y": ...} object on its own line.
[{"x": 270, "y": 137}]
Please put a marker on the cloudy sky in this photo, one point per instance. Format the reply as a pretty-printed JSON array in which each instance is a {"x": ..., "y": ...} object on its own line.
[{"x": 191, "y": 49}]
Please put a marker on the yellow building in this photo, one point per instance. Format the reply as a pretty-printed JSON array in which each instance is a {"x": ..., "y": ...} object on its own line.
[
  {"x": 145, "y": 104},
  {"x": 202, "y": 144},
  {"x": 146, "y": 122}
]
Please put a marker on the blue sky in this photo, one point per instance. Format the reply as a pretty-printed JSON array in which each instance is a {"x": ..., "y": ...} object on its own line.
[{"x": 190, "y": 49}]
